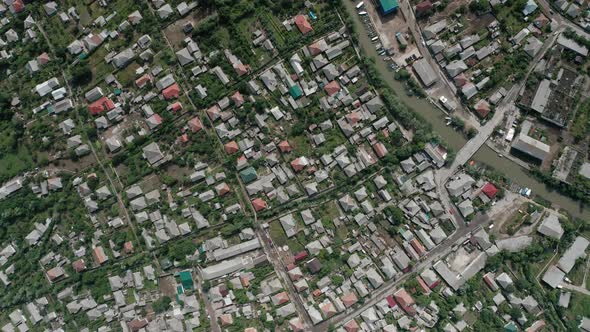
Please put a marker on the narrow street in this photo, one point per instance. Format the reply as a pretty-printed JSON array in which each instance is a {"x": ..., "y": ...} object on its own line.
[
  {"x": 443, "y": 83},
  {"x": 276, "y": 261},
  {"x": 390, "y": 286}
]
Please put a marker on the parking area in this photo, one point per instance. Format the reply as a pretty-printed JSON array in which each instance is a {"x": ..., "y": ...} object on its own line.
[{"x": 392, "y": 32}]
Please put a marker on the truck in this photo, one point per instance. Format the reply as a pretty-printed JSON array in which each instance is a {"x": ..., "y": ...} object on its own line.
[{"x": 401, "y": 39}]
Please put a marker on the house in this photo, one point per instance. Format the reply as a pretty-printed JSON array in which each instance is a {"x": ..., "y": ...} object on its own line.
[
  {"x": 79, "y": 265},
  {"x": 259, "y": 204},
  {"x": 135, "y": 17},
  {"x": 303, "y": 24},
  {"x": 489, "y": 190},
  {"x": 541, "y": 98},
  {"x": 123, "y": 58},
  {"x": 284, "y": 146},
  {"x": 299, "y": 163},
  {"x": 231, "y": 147},
  {"x": 551, "y": 227},
  {"x": 237, "y": 99},
  {"x": 165, "y": 11},
  {"x": 154, "y": 121},
  {"x": 101, "y": 105},
  {"x": 184, "y": 57},
  {"x": 571, "y": 255},
  {"x": 423, "y": 8},
  {"x": 482, "y": 108},
  {"x": 529, "y": 7},
  {"x": 332, "y": 88},
  {"x": 94, "y": 94},
  {"x": 46, "y": 87},
  {"x": 455, "y": 68},
  {"x": 220, "y": 75},
  {"x": 533, "y": 46},
  {"x": 314, "y": 265},
  {"x": 152, "y": 153},
  {"x": 553, "y": 276},
  {"x": 289, "y": 225},
  {"x": 99, "y": 255},
  {"x": 460, "y": 184},
  {"x": 195, "y": 124},
  {"x": 171, "y": 92},
  {"x": 143, "y": 80},
  {"x": 405, "y": 301},
  {"x": 432, "y": 30}
]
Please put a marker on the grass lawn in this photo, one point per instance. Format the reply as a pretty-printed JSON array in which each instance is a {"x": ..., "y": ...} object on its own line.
[
  {"x": 579, "y": 306},
  {"x": 127, "y": 76},
  {"x": 13, "y": 164},
  {"x": 130, "y": 298},
  {"x": 329, "y": 211},
  {"x": 511, "y": 18},
  {"x": 277, "y": 234},
  {"x": 334, "y": 138},
  {"x": 342, "y": 232},
  {"x": 577, "y": 274},
  {"x": 85, "y": 17},
  {"x": 513, "y": 223},
  {"x": 300, "y": 145},
  {"x": 276, "y": 29},
  {"x": 294, "y": 245}
]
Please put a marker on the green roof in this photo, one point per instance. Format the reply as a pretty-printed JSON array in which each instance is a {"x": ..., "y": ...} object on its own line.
[
  {"x": 389, "y": 5},
  {"x": 248, "y": 174},
  {"x": 295, "y": 91},
  {"x": 186, "y": 279},
  {"x": 510, "y": 327}
]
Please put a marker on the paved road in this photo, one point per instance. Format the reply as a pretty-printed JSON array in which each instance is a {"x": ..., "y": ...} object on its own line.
[
  {"x": 390, "y": 286},
  {"x": 486, "y": 130},
  {"x": 442, "y": 176},
  {"x": 562, "y": 20},
  {"x": 274, "y": 258},
  {"x": 578, "y": 289}
]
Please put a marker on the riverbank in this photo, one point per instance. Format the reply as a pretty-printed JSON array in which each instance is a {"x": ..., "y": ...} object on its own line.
[{"x": 456, "y": 140}]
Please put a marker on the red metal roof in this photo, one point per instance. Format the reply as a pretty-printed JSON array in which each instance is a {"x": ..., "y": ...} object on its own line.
[
  {"x": 171, "y": 92},
  {"x": 301, "y": 256},
  {"x": 231, "y": 147},
  {"x": 101, "y": 105},
  {"x": 332, "y": 88},
  {"x": 259, "y": 204},
  {"x": 303, "y": 24},
  {"x": 489, "y": 190}
]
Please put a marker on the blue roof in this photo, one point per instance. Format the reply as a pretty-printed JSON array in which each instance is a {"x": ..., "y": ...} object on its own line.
[{"x": 389, "y": 6}]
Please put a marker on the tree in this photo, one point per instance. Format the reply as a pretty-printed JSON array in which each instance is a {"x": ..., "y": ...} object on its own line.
[
  {"x": 5, "y": 112},
  {"x": 479, "y": 6},
  {"x": 162, "y": 304},
  {"x": 81, "y": 74}
]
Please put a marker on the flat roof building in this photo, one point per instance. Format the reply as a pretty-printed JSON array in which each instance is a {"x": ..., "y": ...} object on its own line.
[
  {"x": 388, "y": 6},
  {"x": 530, "y": 146},
  {"x": 425, "y": 72}
]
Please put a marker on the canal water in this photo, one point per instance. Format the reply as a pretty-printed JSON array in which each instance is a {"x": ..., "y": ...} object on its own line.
[{"x": 456, "y": 140}]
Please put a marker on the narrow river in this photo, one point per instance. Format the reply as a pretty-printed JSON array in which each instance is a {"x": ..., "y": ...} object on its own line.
[{"x": 456, "y": 140}]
